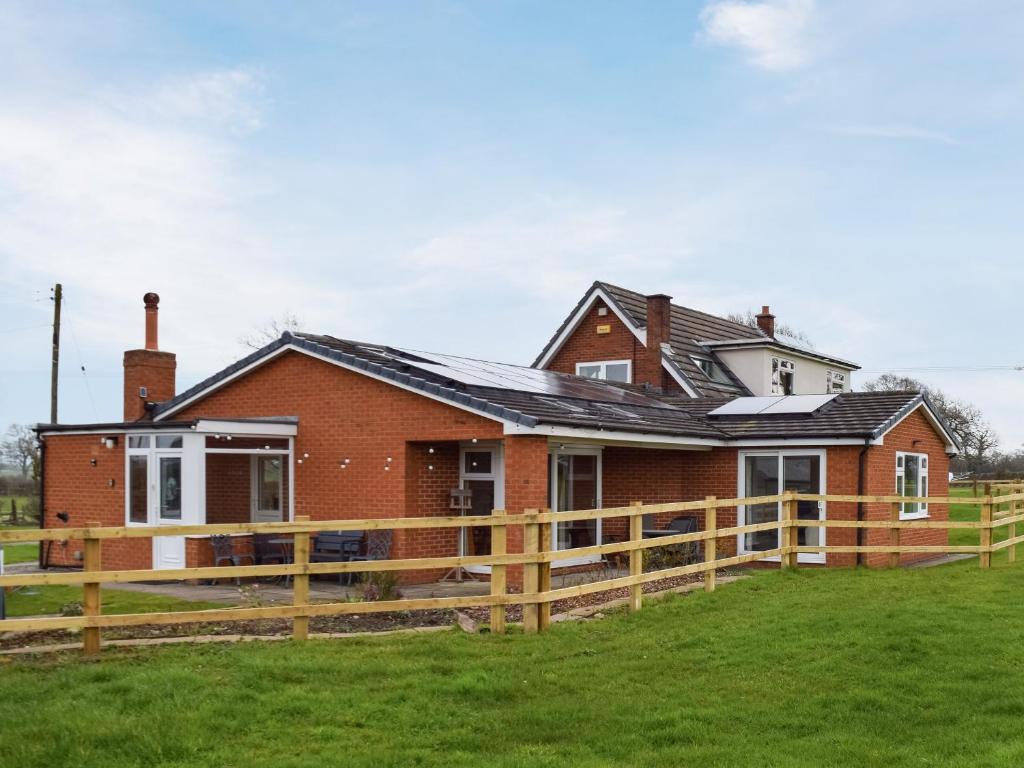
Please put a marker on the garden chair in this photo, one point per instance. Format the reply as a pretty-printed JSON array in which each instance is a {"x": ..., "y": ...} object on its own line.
[
  {"x": 224, "y": 551},
  {"x": 693, "y": 551},
  {"x": 378, "y": 547}
]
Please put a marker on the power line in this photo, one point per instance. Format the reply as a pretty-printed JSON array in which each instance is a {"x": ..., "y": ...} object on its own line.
[
  {"x": 81, "y": 365},
  {"x": 26, "y": 328},
  {"x": 947, "y": 368}
]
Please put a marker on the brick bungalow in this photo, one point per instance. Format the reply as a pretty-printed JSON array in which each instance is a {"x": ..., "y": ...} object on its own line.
[{"x": 634, "y": 399}]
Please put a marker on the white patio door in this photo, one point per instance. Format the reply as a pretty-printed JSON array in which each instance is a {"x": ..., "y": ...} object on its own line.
[
  {"x": 168, "y": 551},
  {"x": 767, "y": 473},
  {"x": 575, "y": 484}
]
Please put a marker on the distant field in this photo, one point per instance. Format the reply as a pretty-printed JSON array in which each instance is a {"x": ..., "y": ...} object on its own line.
[{"x": 5, "y": 508}]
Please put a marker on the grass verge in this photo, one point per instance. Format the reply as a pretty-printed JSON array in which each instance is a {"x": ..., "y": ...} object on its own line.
[{"x": 817, "y": 667}]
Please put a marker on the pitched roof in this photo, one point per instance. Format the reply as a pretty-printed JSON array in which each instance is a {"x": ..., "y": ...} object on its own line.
[
  {"x": 689, "y": 329},
  {"x": 528, "y": 398}
]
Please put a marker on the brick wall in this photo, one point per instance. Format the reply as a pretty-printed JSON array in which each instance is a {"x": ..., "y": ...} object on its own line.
[
  {"x": 228, "y": 488},
  {"x": 346, "y": 415},
  {"x": 89, "y": 494},
  {"x": 914, "y": 434}
]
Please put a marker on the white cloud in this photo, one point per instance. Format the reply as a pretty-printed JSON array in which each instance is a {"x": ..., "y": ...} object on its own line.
[
  {"x": 232, "y": 98},
  {"x": 908, "y": 132},
  {"x": 112, "y": 202},
  {"x": 772, "y": 33}
]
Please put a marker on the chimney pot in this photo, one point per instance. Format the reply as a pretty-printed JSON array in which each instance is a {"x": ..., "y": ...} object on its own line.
[
  {"x": 766, "y": 322},
  {"x": 151, "y": 300}
]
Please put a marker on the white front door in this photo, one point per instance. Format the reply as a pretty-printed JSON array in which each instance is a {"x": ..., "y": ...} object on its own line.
[
  {"x": 768, "y": 473},
  {"x": 168, "y": 551},
  {"x": 575, "y": 484}
]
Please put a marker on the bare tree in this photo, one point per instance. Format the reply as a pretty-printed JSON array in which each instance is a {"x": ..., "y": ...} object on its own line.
[
  {"x": 748, "y": 318},
  {"x": 271, "y": 331},
  {"x": 21, "y": 449},
  {"x": 965, "y": 420}
]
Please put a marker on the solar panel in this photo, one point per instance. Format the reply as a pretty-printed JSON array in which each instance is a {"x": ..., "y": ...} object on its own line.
[
  {"x": 481, "y": 373},
  {"x": 770, "y": 406},
  {"x": 744, "y": 406},
  {"x": 798, "y": 404}
]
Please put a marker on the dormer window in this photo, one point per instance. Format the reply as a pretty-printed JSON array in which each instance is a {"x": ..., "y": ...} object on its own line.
[
  {"x": 835, "y": 382},
  {"x": 711, "y": 369},
  {"x": 607, "y": 370},
  {"x": 782, "y": 376}
]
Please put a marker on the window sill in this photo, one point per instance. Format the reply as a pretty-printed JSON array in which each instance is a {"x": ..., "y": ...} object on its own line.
[{"x": 916, "y": 516}]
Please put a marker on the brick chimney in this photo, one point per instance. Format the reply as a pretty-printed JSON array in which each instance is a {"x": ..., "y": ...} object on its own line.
[
  {"x": 148, "y": 373},
  {"x": 659, "y": 316},
  {"x": 766, "y": 322}
]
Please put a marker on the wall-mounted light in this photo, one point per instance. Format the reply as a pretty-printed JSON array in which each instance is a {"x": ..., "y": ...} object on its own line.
[
  {"x": 92, "y": 461},
  {"x": 110, "y": 442},
  {"x": 430, "y": 450}
]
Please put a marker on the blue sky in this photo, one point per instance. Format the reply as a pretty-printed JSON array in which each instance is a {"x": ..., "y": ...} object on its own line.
[{"x": 452, "y": 176}]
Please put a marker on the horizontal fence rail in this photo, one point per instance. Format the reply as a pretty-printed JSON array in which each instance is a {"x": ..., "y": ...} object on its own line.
[{"x": 536, "y": 559}]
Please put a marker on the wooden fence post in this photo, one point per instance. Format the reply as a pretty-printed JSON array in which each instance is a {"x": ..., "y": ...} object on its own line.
[
  {"x": 300, "y": 582},
  {"x": 91, "y": 600},
  {"x": 1011, "y": 551},
  {"x": 710, "y": 545},
  {"x": 636, "y": 556},
  {"x": 985, "y": 556},
  {"x": 894, "y": 535},
  {"x": 531, "y": 573},
  {"x": 499, "y": 573},
  {"x": 544, "y": 576},
  {"x": 789, "y": 531}
]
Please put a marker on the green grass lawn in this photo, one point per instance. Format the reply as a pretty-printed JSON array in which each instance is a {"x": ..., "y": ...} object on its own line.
[
  {"x": 21, "y": 552},
  {"x": 814, "y": 668},
  {"x": 31, "y": 601},
  {"x": 965, "y": 536}
]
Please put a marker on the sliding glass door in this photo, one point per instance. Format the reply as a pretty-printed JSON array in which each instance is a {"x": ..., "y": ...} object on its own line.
[{"x": 770, "y": 473}]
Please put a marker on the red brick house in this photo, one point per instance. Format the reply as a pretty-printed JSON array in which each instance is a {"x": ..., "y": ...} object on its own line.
[{"x": 333, "y": 429}]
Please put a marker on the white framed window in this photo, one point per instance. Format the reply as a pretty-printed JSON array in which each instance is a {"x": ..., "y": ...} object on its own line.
[
  {"x": 911, "y": 481},
  {"x": 835, "y": 382},
  {"x": 711, "y": 369},
  {"x": 783, "y": 372},
  {"x": 267, "y": 473},
  {"x": 608, "y": 370}
]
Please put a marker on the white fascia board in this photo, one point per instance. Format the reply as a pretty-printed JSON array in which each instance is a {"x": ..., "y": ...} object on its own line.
[
  {"x": 677, "y": 375},
  {"x": 117, "y": 431},
  {"x": 332, "y": 361},
  {"x": 951, "y": 448},
  {"x": 263, "y": 429},
  {"x": 612, "y": 436},
  {"x": 770, "y": 344},
  {"x": 577, "y": 318},
  {"x": 779, "y": 442}
]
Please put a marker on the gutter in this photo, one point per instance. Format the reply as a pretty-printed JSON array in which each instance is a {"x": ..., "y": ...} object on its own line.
[
  {"x": 44, "y": 552},
  {"x": 860, "y": 492}
]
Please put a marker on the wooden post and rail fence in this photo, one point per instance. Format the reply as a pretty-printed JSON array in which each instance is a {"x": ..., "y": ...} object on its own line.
[{"x": 536, "y": 558}]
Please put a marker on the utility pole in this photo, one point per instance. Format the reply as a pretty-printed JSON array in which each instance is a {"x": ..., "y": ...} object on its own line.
[{"x": 57, "y": 295}]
